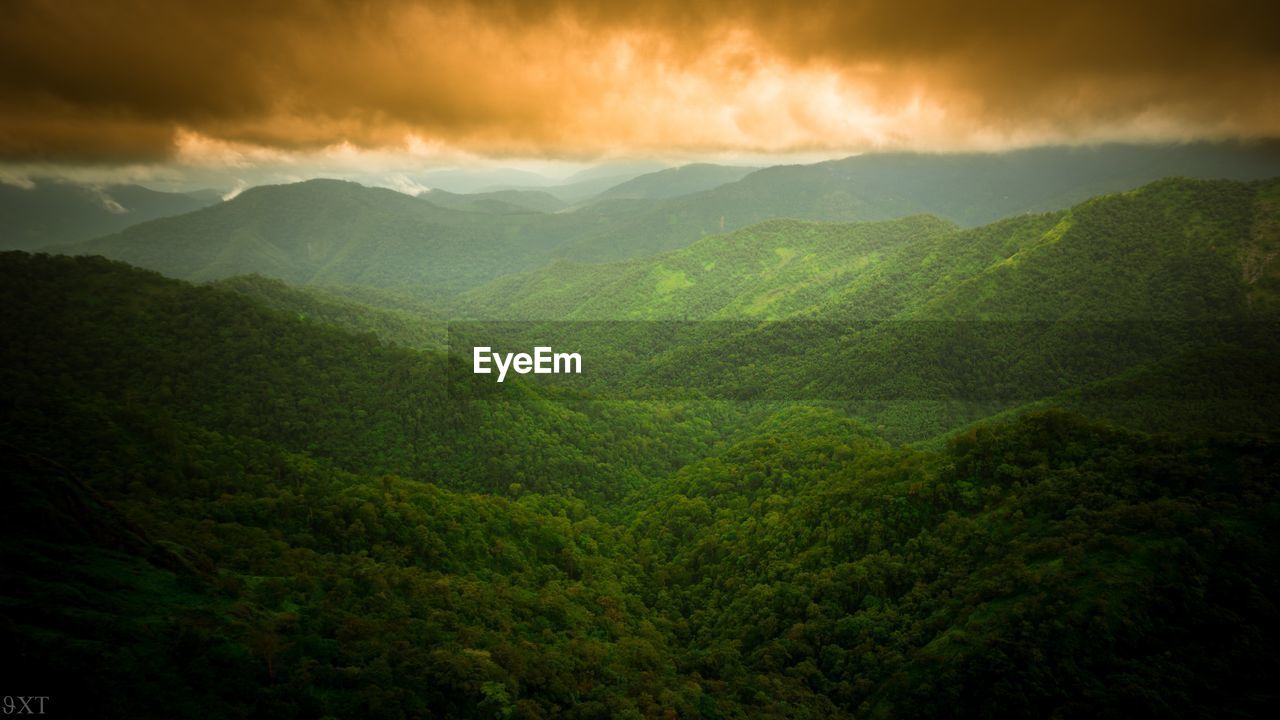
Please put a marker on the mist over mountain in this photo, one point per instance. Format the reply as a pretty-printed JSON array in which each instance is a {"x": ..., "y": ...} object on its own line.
[
  {"x": 51, "y": 212},
  {"x": 616, "y": 169},
  {"x": 470, "y": 180}
]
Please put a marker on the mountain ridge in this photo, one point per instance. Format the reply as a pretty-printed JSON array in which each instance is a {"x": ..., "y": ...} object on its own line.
[{"x": 374, "y": 238}]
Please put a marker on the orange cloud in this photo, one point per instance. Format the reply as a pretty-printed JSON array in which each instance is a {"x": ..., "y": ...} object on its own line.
[{"x": 126, "y": 80}]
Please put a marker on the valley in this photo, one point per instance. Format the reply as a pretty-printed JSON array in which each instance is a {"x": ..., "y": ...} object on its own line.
[{"x": 831, "y": 465}]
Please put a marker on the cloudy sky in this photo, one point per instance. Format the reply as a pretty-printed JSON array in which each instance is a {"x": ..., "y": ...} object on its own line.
[{"x": 189, "y": 92}]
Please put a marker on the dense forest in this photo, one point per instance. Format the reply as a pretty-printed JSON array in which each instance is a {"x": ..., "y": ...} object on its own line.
[{"x": 896, "y": 468}]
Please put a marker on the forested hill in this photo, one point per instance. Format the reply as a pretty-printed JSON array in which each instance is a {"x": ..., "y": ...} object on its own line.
[
  {"x": 1174, "y": 249},
  {"x": 394, "y": 318},
  {"x": 93, "y": 346},
  {"x": 217, "y": 509},
  {"x": 1175, "y": 283}
]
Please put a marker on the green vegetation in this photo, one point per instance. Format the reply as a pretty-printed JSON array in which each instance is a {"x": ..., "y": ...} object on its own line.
[
  {"x": 918, "y": 328},
  {"x": 277, "y": 496},
  {"x": 1175, "y": 249},
  {"x": 394, "y": 318},
  {"x": 87, "y": 338},
  {"x": 773, "y": 270}
]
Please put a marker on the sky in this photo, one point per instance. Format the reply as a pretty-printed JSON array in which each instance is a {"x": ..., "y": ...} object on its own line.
[{"x": 239, "y": 92}]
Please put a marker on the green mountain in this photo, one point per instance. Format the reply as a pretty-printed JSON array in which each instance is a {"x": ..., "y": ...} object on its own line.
[
  {"x": 1176, "y": 249},
  {"x": 393, "y": 319},
  {"x": 775, "y": 269},
  {"x": 214, "y": 358},
  {"x": 55, "y": 213},
  {"x": 1063, "y": 300},
  {"x": 918, "y": 327},
  {"x": 328, "y": 232}
]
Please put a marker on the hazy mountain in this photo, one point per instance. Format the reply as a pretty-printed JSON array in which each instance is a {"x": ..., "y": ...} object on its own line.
[
  {"x": 470, "y": 180},
  {"x": 577, "y": 192},
  {"x": 611, "y": 170},
  {"x": 53, "y": 212},
  {"x": 969, "y": 189},
  {"x": 673, "y": 182},
  {"x": 584, "y": 184},
  {"x": 341, "y": 233},
  {"x": 337, "y": 233},
  {"x": 498, "y": 201},
  {"x": 572, "y": 188}
]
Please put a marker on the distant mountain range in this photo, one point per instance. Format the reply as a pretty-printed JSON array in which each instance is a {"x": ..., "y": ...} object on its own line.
[
  {"x": 577, "y": 187},
  {"x": 440, "y": 244},
  {"x": 968, "y": 189}
]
